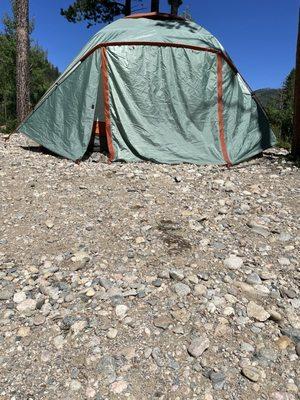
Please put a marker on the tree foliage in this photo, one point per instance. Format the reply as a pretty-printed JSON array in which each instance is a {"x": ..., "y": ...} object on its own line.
[
  {"x": 279, "y": 107},
  {"x": 42, "y": 73},
  {"x": 97, "y": 11}
]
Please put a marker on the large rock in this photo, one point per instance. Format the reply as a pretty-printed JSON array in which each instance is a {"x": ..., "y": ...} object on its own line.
[
  {"x": 27, "y": 305},
  {"x": 257, "y": 312},
  {"x": 6, "y": 293},
  {"x": 233, "y": 262},
  {"x": 251, "y": 373},
  {"x": 181, "y": 289},
  {"x": 198, "y": 346}
]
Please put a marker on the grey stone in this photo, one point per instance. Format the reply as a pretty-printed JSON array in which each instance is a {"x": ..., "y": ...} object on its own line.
[
  {"x": 218, "y": 380},
  {"x": 259, "y": 229},
  {"x": 158, "y": 357},
  {"x": 107, "y": 369},
  {"x": 253, "y": 279},
  {"x": 292, "y": 333},
  {"x": 267, "y": 356},
  {"x": 203, "y": 276},
  {"x": 182, "y": 289},
  {"x": 247, "y": 347},
  {"x": 157, "y": 283},
  {"x": 298, "y": 349},
  {"x": 290, "y": 293},
  {"x": 6, "y": 293},
  {"x": 176, "y": 275},
  {"x": 284, "y": 237},
  {"x": 105, "y": 283},
  {"x": 172, "y": 363},
  {"x": 163, "y": 322}
]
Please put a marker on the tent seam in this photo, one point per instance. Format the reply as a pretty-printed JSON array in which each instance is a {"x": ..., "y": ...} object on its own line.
[{"x": 162, "y": 44}]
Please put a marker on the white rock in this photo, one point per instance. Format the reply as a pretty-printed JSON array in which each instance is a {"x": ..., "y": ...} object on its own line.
[
  {"x": 75, "y": 385},
  {"x": 121, "y": 310},
  {"x": 80, "y": 256},
  {"x": 228, "y": 311},
  {"x": 23, "y": 331},
  {"x": 284, "y": 261},
  {"x": 27, "y": 305},
  {"x": 200, "y": 289},
  {"x": 19, "y": 297},
  {"x": 257, "y": 312},
  {"x": 90, "y": 393},
  {"x": 49, "y": 223},
  {"x": 233, "y": 262},
  {"x": 119, "y": 386},
  {"x": 112, "y": 333},
  {"x": 90, "y": 292},
  {"x": 78, "y": 326},
  {"x": 59, "y": 342}
]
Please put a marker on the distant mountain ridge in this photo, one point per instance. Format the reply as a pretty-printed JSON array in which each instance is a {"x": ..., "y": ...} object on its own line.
[{"x": 268, "y": 96}]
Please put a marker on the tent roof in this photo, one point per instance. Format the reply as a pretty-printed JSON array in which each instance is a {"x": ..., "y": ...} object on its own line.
[
  {"x": 154, "y": 30},
  {"x": 149, "y": 29}
]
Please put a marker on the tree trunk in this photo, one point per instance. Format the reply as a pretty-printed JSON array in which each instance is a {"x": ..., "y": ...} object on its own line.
[
  {"x": 127, "y": 7},
  {"x": 174, "y": 7},
  {"x": 22, "y": 71},
  {"x": 296, "y": 136},
  {"x": 154, "y": 5}
]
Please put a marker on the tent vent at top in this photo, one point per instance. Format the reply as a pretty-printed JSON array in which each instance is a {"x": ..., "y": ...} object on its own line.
[{"x": 154, "y": 88}]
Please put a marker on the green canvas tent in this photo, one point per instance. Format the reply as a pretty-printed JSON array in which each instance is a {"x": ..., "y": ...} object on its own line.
[{"x": 159, "y": 88}]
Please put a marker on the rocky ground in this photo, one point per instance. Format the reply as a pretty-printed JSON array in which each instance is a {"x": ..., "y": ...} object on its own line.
[{"x": 146, "y": 281}]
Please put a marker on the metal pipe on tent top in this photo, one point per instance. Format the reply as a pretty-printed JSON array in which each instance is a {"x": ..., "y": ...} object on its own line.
[{"x": 154, "y": 5}]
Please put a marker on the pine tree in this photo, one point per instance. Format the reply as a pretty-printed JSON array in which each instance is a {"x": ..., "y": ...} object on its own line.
[
  {"x": 296, "y": 135},
  {"x": 41, "y": 72},
  {"x": 22, "y": 56}
]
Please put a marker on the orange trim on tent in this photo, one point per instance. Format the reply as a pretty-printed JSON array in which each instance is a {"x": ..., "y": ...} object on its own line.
[
  {"x": 162, "y": 44},
  {"x": 221, "y": 109},
  {"x": 104, "y": 71}
]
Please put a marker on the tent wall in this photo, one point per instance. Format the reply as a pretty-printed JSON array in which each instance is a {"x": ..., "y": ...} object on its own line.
[
  {"x": 163, "y": 104},
  {"x": 247, "y": 127},
  {"x": 63, "y": 121},
  {"x": 99, "y": 110}
]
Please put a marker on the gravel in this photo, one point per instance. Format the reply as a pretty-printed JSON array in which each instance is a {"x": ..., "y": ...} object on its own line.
[{"x": 147, "y": 281}]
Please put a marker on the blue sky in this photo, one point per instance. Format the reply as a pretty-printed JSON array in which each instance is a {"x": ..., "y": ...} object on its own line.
[{"x": 259, "y": 35}]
